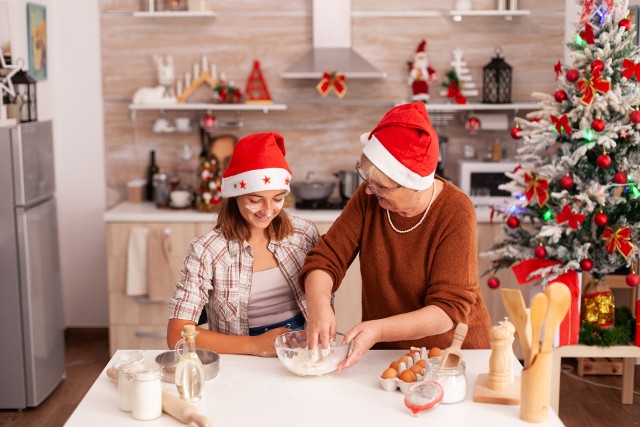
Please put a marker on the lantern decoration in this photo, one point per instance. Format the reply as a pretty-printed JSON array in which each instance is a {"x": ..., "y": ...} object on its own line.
[
  {"x": 497, "y": 78},
  {"x": 25, "y": 97}
]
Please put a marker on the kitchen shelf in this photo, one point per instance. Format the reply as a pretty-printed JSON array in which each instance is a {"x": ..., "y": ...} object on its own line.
[
  {"x": 436, "y": 13},
  {"x": 265, "y": 108},
  {"x": 176, "y": 14}
]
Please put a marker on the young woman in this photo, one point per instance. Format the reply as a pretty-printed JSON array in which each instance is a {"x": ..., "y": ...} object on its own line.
[{"x": 244, "y": 272}]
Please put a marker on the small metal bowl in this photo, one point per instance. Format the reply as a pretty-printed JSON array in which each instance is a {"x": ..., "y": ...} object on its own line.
[{"x": 169, "y": 360}]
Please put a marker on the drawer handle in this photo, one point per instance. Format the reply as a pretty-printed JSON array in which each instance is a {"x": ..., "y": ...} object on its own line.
[{"x": 143, "y": 334}]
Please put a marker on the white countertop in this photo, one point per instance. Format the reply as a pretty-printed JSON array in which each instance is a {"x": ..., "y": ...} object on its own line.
[
  {"x": 257, "y": 391},
  {"x": 148, "y": 212}
]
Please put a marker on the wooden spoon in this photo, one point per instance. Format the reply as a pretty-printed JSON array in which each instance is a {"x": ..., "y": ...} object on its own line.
[
  {"x": 451, "y": 357},
  {"x": 517, "y": 312},
  {"x": 538, "y": 313},
  {"x": 559, "y": 299}
]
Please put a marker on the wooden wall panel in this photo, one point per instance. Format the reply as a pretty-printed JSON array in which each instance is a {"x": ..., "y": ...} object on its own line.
[{"x": 322, "y": 134}]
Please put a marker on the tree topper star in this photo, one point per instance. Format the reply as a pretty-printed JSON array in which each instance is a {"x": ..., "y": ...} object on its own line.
[{"x": 5, "y": 79}]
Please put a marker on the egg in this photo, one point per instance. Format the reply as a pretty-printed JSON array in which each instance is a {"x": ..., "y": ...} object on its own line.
[
  {"x": 407, "y": 376},
  {"x": 404, "y": 359},
  {"x": 417, "y": 369},
  {"x": 434, "y": 352},
  {"x": 395, "y": 364},
  {"x": 422, "y": 363},
  {"x": 390, "y": 373}
]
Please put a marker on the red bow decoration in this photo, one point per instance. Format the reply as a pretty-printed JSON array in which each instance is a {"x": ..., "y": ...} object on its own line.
[
  {"x": 595, "y": 83},
  {"x": 558, "y": 69},
  {"x": 587, "y": 9},
  {"x": 334, "y": 80},
  {"x": 561, "y": 123},
  {"x": 536, "y": 187},
  {"x": 587, "y": 34},
  {"x": 631, "y": 68},
  {"x": 618, "y": 240},
  {"x": 455, "y": 93},
  {"x": 567, "y": 215}
]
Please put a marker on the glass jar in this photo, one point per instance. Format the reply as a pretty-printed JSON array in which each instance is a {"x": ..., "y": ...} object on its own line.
[
  {"x": 452, "y": 380},
  {"x": 146, "y": 394},
  {"x": 128, "y": 363}
]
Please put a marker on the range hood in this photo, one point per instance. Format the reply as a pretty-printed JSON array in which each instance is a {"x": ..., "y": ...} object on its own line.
[{"x": 332, "y": 46}]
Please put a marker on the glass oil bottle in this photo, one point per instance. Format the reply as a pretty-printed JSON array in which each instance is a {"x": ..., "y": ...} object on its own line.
[{"x": 189, "y": 375}]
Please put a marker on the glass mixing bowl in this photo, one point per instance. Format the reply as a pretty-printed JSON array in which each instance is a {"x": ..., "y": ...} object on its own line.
[{"x": 293, "y": 352}]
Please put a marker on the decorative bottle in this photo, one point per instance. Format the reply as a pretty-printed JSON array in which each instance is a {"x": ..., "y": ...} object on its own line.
[
  {"x": 151, "y": 170},
  {"x": 189, "y": 372}
]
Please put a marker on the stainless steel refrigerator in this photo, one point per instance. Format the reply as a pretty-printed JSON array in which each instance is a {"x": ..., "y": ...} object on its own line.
[{"x": 32, "y": 361}]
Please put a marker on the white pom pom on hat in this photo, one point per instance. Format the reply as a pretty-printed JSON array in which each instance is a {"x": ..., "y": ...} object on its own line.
[
  {"x": 404, "y": 146},
  {"x": 257, "y": 164}
]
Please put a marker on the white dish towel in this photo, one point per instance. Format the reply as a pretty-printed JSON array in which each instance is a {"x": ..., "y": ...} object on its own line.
[{"x": 137, "y": 262}]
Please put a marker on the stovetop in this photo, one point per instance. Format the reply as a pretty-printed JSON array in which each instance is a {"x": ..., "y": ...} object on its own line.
[{"x": 321, "y": 204}]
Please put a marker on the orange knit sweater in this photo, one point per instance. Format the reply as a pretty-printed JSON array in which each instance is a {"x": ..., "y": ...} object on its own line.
[{"x": 435, "y": 264}]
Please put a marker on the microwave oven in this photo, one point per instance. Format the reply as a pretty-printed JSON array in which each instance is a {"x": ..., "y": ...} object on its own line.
[{"x": 480, "y": 181}]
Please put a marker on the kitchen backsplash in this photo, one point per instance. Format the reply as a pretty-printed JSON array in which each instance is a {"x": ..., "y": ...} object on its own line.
[{"x": 322, "y": 134}]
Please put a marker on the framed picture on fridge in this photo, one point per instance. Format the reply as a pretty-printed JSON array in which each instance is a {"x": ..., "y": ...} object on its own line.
[{"x": 37, "y": 40}]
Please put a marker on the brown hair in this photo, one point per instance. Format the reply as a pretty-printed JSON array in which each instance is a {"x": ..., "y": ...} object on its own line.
[{"x": 235, "y": 227}]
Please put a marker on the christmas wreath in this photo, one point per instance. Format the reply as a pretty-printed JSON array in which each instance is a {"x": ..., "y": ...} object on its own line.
[{"x": 622, "y": 332}]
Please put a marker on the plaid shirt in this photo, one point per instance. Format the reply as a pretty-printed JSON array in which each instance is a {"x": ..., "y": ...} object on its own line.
[{"x": 218, "y": 274}]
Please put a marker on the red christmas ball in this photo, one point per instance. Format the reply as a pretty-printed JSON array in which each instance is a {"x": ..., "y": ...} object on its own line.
[
  {"x": 597, "y": 65},
  {"x": 603, "y": 161},
  {"x": 632, "y": 280},
  {"x": 598, "y": 125},
  {"x": 572, "y": 75},
  {"x": 560, "y": 96},
  {"x": 493, "y": 282},
  {"x": 515, "y": 133},
  {"x": 566, "y": 182},
  {"x": 586, "y": 264},
  {"x": 620, "y": 177},
  {"x": 540, "y": 252},
  {"x": 513, "y": 222},
  {"x": 473, "y": 124},
  {"x": 601, "y": 219},
  {"x": 635, "y": 116},
  {"x": 625, "y": 23}
]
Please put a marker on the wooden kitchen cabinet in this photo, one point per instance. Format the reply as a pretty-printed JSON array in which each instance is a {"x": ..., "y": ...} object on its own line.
[{"x": 136, "y": 322}]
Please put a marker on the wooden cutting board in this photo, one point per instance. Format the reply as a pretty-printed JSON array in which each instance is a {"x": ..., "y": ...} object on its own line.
[{"x": 483, "y": 394}]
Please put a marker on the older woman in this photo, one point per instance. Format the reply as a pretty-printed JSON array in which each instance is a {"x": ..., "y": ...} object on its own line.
[{"x": 416, "y": 236}]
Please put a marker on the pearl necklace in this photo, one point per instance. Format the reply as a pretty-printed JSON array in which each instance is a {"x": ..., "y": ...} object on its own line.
[{"x": 424, "y": 215}]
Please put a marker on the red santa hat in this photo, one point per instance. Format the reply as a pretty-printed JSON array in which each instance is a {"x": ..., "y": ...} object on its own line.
[
  {"x": 421, "y": 46},
  {"x": 404, "y": 146},
  {"x": 257, "y": 164}
]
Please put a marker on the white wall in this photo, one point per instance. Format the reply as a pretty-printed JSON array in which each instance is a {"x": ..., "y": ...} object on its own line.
[{"x": 72, "y": 97}]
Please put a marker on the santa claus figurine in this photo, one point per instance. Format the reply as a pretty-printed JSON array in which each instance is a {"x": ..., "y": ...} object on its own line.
[{"x": 420, "y": 74}]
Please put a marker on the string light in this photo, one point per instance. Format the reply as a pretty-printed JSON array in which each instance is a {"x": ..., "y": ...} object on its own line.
[
  {"x": 602, "y": 12},
  {"x": 589, "y": 134},
  {"x": 580, "y": 41},
  {"x": 634, "y": 190},
  {"x": 547, "y": 215}
]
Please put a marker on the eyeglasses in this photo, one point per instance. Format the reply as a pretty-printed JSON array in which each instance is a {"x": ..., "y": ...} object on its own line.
[{"x": 378, "y": 194}]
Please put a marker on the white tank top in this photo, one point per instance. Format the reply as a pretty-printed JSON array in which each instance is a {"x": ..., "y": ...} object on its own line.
[{"x": 271, "y": 299}]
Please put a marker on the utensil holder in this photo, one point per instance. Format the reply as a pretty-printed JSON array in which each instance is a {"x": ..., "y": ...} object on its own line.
[{"x": 536, "y": 390}]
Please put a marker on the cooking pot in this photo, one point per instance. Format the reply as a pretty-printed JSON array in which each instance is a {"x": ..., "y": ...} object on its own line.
[
  {"x": 312, "y": 190},
  {"x": 349, "y": 182}
]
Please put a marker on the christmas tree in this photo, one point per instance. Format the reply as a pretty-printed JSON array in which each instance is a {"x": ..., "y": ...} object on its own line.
[
  {"x": 460, "y": 83},
  {"x": 576, "y": 204}
]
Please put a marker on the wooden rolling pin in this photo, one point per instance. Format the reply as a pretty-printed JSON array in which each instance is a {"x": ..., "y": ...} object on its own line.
[{"x": 174, "y": 406}]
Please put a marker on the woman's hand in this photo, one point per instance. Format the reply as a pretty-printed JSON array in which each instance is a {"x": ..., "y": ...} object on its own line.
[
  {"x": 321, "y": 326},
  {"x": 364, "y": 335},
  {"x": 263, "y": 345}
]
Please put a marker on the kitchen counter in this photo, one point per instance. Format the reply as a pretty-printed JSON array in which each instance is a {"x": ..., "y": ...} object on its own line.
[
  {"x": 148, "y": 212},
  {"x": 258, "y": 391}
]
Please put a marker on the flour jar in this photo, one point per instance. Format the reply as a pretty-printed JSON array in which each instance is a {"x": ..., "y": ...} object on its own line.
[
  {"x": 452, "y": 380},
  {"x": 128, "y": 363},
  {"x": 146, "y": 394}
]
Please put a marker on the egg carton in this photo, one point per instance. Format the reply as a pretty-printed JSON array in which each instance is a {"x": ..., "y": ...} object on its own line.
[{"x": 392, "y": 384}]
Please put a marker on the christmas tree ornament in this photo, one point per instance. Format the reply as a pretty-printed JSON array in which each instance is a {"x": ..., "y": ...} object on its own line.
[
  {"x": 598, "y": 125},
  {"x": 256, "y": 89},
  {"x": 624, "y": 134},
  {"x": 601, "y": 219},
  {"x": 332, "y": 81},
  {"x": 473, "y": 124},
  {"x": 540, "y": 252},
  {"x": 558, "y": 69},
  {"x": 566, "y": 182},
  {"x": 598, "y": 305},
  {"x": 594, "y": 84},
  {"x": 625, "y": 23},
  {"x": 635, "y": 116},
  {"x": 573, "y": 219},
  {"x": 561, "y": 96},
  {"x": 513, "y": 222},
  {"x": 586, "y": 264},
  {"x": 632, "y": 280},
  {"x": 630, "y": 68},
  {"x": 561, "y": 123},
  {"x": 515, "y": 132},
  {"x": 587, "y": 34},
  {"x": 493, "y": 282},
  {"x": 620, "y": 177},
  {"x": 536, "y": 188},
  {"x": 497, "y": 80},
  {"x": 572, "y": 75},
  {"x": 618, "y": 239},
  {"x": 597, "y": 65},
  {"x": 603, "y": 161},
  {"x": 420, "y": 74},
  {"x": 208, "y": 121}
]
